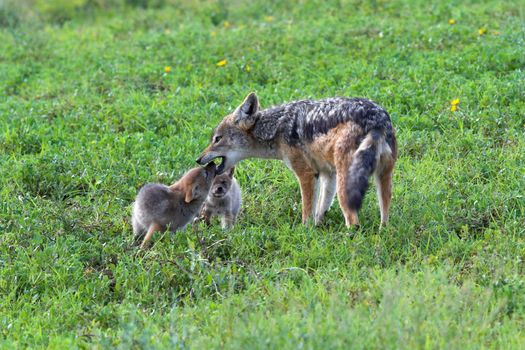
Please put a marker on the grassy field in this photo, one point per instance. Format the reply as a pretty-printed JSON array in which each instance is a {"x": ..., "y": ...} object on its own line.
[{"x": 98, "y": 98}]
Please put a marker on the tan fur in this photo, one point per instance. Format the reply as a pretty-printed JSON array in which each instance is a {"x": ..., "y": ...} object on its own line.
[
  {"x": 152, "y": 229},
  {"x": 306, "y": 176},
  {"x": 187, "y": 184},
  {"x": 331, "y": 153}
]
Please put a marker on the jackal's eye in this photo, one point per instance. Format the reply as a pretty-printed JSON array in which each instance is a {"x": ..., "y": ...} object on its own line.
[{"x": 217, "y": 139}]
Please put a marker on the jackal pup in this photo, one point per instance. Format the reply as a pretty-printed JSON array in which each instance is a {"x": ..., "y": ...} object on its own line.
[
  {"x": 224, "y": 200},
  {"x": 159, "y": 207},
  {"x": 333, "y": 144}
]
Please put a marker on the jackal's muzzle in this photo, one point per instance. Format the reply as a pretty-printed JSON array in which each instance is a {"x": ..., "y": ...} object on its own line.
[{"x": 210, "y": 157}]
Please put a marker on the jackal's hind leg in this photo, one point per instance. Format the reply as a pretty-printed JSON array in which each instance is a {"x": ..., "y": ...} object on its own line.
[
  {"x": 343, "y": 162},
  {"x": 383, "y": 179},
  {"x": 350, "y": 215}
]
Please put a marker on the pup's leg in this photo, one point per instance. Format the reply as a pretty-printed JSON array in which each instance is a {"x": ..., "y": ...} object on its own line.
[
  {"x": 204, "y": 216},
  {"x": 383, "y": 178},
  {"x": 227, "y": 221},
  {"x": 327, "y": 190},
  {"x": 154, "y": 227}
]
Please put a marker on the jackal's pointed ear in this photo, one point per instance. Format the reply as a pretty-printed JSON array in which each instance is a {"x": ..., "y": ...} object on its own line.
[
  {"x": 245, "y": 113},
  {"x": 250, "y": 104}
]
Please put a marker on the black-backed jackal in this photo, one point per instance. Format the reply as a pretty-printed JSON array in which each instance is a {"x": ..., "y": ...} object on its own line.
[{"x": 333, "y": 144}]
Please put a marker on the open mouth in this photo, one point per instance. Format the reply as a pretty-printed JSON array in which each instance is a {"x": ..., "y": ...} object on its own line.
[
  {"x": 222, "y": 164},
  {"x": 208, "y": 159}
]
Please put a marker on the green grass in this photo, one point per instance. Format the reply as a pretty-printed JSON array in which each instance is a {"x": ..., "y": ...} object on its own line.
[{"x": 87, "y": 116}]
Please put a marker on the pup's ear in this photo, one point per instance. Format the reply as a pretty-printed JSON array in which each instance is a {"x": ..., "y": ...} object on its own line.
[
  {"x": 231, "y": 171},
  {"x": 190, "y": 192},
  {"x": 189, "y": 195},
  {"x": 245, "y": 113}
]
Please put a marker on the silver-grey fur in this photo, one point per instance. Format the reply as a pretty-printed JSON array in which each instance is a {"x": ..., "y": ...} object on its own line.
[
  {"x": 159, "y": 207},
  {"x": 303, "y": 120},
  {"x": 225, "y": 204},
  {"x": 156, "y": 203}
]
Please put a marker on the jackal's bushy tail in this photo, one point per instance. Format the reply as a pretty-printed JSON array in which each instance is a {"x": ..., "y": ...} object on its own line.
[{"x": 363, "y": 165}]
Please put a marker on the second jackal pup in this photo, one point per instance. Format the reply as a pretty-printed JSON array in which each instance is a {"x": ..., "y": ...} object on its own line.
[
  {"x": 224, "y": 200},
  {"x": 159, "y": 207}
]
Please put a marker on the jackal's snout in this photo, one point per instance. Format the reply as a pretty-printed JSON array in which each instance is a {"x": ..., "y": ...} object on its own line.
[
  {"x": 199, "y": 160},
  {"x": 207, "y": 157}
]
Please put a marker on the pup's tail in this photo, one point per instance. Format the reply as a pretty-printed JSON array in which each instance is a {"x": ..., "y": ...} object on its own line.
[{"x": 363, "y": 165}]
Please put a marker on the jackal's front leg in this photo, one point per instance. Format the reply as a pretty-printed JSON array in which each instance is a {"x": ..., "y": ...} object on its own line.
[
  {"x": 307, "y": 184},
  {"x": 307, "y": 181}
]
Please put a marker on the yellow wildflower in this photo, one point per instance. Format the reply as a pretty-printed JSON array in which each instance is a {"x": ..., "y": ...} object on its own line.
[
  {"x": 213, "y": 33},
  {"x": 222, "y": 63},
  {"x": 226, "y": 24},
  {"x": 268, "y": 18},
  {"x": 451, "y": 21},
  {"x": 248, "y": 68},
  {"x": 454, "y": 104},
  {"x": 167, "y": 69},
  {"x": 482, "y": 31}
]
